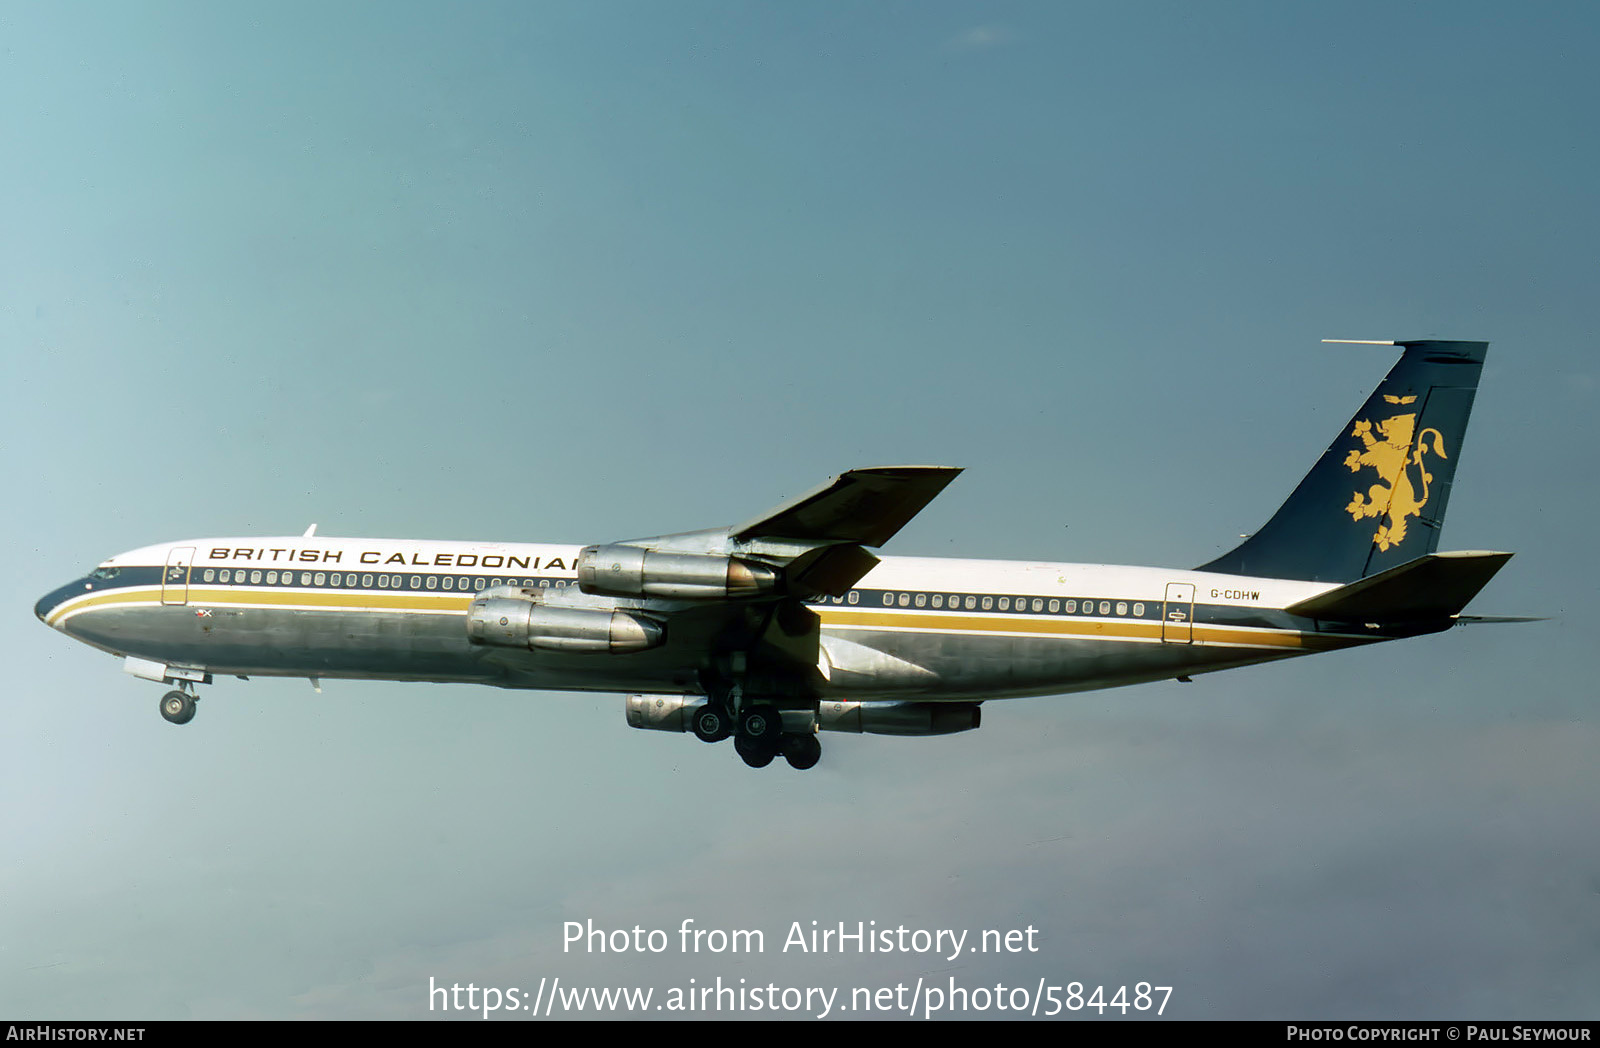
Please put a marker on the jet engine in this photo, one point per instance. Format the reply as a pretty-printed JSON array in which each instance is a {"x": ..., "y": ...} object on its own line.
[
  {"x": 633, "y": 571},
  {"x": 525, "y": 619},
  {"x": 899, "y": 718},
  {"x": 663, "y": 712},
  {"x": 676, "y": 713}
]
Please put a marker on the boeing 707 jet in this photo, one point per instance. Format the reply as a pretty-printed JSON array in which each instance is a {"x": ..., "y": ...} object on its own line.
[{"x": 772, "y": 630}]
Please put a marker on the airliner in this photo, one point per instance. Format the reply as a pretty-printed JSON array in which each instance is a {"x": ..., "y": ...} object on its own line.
[{"x": 773, "y": 630}]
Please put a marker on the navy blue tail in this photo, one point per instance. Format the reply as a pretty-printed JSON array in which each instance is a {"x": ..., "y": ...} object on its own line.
[{"x": 1376, "y": 498}]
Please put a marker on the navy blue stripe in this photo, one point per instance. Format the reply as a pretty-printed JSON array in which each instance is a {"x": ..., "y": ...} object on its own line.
[{"x": 951, "y": 602}]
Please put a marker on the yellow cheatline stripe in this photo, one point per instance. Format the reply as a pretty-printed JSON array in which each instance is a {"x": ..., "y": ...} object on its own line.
[
  {"x": 378, "y": 600},
  {"x": 121, "y": 595},
  {"x": 1148, "y": 631},
  {"x": 456, "y": 603},
  {"x": 988, "y": 624},
  {"x": 354, "y": 600}
]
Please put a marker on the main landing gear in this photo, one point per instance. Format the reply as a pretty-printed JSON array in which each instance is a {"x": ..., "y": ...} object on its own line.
[
  {"x": 801, "y": 751},
  {"x": 758, "y": 735},
  {"x": 178, "y": 706}
]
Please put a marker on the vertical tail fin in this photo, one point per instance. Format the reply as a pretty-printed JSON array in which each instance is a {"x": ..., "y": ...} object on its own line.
[{"x": 1376, "y": 498}]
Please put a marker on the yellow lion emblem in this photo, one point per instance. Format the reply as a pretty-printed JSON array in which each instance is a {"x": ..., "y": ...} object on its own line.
[{"x": 1392, "y": 446}]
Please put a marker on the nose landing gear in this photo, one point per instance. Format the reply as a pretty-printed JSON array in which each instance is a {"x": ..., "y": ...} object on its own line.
[{"x": 178, "y": 706}]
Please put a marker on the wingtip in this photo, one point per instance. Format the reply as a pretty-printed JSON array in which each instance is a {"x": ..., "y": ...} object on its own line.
[{"x": 907, "y": 469}]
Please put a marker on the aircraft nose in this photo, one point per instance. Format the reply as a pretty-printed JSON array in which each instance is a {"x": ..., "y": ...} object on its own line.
[{"x": 55, "y": 598}]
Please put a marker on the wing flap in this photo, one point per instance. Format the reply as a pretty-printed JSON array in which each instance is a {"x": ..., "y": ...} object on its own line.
[{"x": 830, "y": 571}]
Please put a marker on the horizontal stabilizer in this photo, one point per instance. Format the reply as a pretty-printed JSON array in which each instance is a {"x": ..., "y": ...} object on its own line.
[
  {"x": 864, "y": 506},
  {"x": 1436, "y": 586}
]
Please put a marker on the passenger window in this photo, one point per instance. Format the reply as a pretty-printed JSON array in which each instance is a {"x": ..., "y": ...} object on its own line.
[
  {"x": 922, "y": 600},
  {"x": 1038, "y": 605},
  {"x": 888, "y": 600},
  {"x": 988, "y": 602},
  {"x": 255, "y": 576},
  {"x": 366, "y": 581},
  {"x": 905, "y": 599},
  {"x": 1138, "y": 609},
  {"x": 1005, "y": 603},
  {"x": 1055, "y": 606},
  {"x": 225, "y": 576},
  {"x": 971, "y": 603},
  {"x": 1072, "y": 607},
  {"x": 317, "y": 578},
  {"x": 433, "y": 581},
  {"x": 208, "y": 575},
  {"x": 416, "y": 582},
  {"x": 449, "y": 582},
  {"x": 853, "y": 596},
  {"x": 938, "y": 600},
  {"x": 1105, "y": 607},
  {"x": 1122, "y": 607}
]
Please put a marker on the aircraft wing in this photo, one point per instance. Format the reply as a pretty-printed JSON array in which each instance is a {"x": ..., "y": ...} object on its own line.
[
  {"x": 742, "y": 589},
  {"x": 814, "y": 544},
  {"x": 863, "y": 506}
]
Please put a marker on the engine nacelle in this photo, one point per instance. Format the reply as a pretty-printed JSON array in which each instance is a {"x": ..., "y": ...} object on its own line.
[
  {"x": 632, "y": 571},
  {"x": 899, "y": 718},
  {"x": 677, "y": 712},
  {"x": 663, "y": 712},
  {"x": 527, "y": 621}
]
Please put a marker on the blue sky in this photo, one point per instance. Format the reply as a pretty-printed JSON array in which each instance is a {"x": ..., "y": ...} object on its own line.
[{"x": 576, "y": 272}]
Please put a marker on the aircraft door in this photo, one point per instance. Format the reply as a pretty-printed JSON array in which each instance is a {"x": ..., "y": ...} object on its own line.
[
  {"x": 175, "y": 579},
  {"x": 1177, "y": 614}
]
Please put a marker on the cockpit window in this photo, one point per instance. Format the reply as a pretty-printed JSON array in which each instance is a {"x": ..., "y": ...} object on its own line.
[{"x": 105, "y": 573}]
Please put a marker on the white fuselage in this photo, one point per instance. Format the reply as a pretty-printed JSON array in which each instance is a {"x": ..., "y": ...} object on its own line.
[{"x": 934, "y": 629}]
